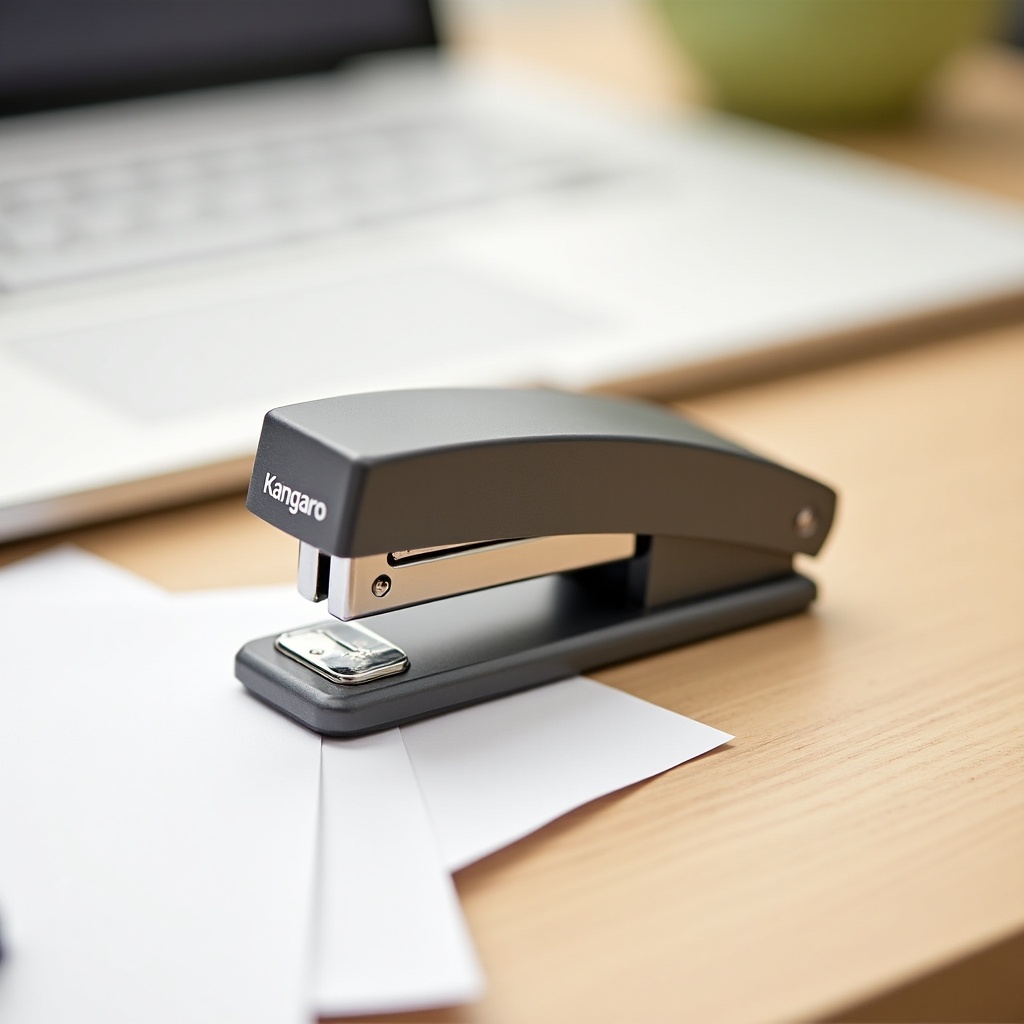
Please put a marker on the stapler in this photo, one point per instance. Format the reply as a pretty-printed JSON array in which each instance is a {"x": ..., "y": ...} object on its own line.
[{"x": 499, "y": 539}]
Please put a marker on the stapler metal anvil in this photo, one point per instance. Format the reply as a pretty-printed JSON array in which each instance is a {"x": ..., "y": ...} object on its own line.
[{"x": 503, "y": 538}]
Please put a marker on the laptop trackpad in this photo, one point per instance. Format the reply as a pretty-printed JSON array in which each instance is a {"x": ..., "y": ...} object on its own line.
[{"x": 429, "y": 325}]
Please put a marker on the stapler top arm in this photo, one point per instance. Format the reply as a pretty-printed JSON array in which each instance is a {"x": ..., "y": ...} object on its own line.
[{"x": 409, "y": 470}]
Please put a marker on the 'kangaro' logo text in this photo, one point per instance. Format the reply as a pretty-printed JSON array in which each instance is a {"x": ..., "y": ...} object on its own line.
[{"x": 295, "y": 500}]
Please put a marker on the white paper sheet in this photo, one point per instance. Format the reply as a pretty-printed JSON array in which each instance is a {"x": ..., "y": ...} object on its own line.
[
  {"x": 158, "y": 824},
  {"x": 67, "y": 573},
  {"x": 390, "y": 935},
  {"x": 402, "y": 893},
  {"x": 493, "y": 773},
  {"x": 67, "y": 576}
]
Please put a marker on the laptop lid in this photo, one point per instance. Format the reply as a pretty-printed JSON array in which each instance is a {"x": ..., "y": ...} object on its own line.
[{"x": 57, "y": 53}]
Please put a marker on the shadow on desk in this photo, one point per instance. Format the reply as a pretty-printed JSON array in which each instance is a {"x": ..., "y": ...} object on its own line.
[
  {"x": 984, "y": 987},
  {"x": 988, "y": 986}
]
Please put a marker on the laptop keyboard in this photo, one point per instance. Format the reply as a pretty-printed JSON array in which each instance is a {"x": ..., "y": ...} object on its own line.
[{"x": 137, "y": 211}]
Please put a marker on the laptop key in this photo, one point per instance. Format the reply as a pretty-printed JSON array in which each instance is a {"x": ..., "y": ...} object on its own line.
[{"x": 143, "y": 211}]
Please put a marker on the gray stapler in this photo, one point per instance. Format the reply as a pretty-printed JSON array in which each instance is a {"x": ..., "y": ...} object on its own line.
[{"x": 506, "y": 538}]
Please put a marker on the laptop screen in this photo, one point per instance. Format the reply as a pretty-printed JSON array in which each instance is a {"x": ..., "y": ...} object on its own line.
[{"x": 63, "y": 52}]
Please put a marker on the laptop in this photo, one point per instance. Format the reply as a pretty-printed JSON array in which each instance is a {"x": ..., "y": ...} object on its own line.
[{"x": 209, "y": 210}]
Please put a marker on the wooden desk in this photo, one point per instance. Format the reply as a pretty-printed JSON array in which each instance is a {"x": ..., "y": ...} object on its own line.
[{"x": 866, "y": 827}]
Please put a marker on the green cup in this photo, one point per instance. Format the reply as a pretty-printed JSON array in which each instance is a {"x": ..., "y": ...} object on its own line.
[{"x": 823, "y": 62}]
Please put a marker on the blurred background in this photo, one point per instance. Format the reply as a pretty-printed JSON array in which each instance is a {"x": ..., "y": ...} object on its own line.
[
  {"x": 937, "y": 83},
  {"x": 559, "y": 204}
]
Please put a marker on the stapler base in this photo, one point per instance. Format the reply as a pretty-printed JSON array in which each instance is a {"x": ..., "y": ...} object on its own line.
[{"x": 493, "y": 642}]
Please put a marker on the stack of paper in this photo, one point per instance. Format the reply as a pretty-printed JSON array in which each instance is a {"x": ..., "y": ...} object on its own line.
[{"x": 174, "y": 850}]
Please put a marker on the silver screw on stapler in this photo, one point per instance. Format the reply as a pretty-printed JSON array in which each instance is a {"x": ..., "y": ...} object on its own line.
[{"x": 805, "y": 522}]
